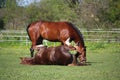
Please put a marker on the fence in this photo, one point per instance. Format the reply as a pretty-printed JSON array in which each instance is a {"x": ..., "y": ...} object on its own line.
[{"x": 95, "y": 35}]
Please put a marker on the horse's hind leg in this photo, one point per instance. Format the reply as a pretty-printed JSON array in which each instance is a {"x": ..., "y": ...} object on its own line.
[
  {"x": 32, "y": 47},
  {"x": 32, "y": 51},
  {"x": 35, "y": 44}
]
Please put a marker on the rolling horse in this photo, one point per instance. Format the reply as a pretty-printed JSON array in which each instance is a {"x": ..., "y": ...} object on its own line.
[
  {"x": 63, "y": 32},
  {"x": 59, "y": 55}
]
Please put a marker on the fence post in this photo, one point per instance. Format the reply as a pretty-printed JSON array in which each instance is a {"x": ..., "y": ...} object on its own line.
[{"x": 26, "y": 41}]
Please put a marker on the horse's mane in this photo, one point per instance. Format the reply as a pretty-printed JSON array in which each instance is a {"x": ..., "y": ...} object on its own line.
[{"x": 78, "y": 31}]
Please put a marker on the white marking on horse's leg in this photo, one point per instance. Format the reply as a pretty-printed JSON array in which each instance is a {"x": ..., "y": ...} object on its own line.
[
  {"x": 67, "y": 42},
  {"x": 41, "y": 45},
  {"x": 37, "y": 47}
]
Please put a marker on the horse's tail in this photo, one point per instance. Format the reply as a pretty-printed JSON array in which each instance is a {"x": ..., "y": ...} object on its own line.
[{"x": 28, "y": 31}]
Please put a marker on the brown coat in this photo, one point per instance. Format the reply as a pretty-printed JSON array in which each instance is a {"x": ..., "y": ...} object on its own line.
[{"x": 51, "y": 56}]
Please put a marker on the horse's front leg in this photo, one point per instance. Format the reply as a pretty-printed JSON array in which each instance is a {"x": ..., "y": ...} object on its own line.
[
  {"x": 74, "y": 62},
  {"x": 67, "y": 43},
  {"x": 82, "y": 58},
  {"x": 81, "y": 54}
]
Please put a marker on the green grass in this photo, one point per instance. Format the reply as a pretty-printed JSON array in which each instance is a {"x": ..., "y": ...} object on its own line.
[{"x": 103, "y": 60}]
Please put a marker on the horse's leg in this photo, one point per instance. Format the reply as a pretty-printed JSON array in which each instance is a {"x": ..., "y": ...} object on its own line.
[
  {"x": 32, "y": 51},
  {"x": 82, "y": 57},
  {"x": 81, "y": 54},
  {"x": 62, "y": 43},
  {"x": 39, "y": 43},
  {"x": 74, "y": 62},
  {"x": 67, "y": 42},
  {"x": 32, "y": 48},
  {"x": 34, "y": 43}
]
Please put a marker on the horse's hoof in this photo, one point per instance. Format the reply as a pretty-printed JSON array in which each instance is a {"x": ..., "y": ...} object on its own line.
[
  {"x": 82, "y": 62},
  {"x": 72, "y": 65}
]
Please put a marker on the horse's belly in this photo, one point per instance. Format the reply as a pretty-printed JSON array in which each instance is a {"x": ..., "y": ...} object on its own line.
[{"x": 51, "y": 36}]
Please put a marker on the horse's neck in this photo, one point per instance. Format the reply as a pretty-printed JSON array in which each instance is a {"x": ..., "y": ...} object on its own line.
[{"x": 79, "y": 41}]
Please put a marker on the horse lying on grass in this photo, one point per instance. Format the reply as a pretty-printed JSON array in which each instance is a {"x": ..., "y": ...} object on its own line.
[{"x": 51, "y": 56}]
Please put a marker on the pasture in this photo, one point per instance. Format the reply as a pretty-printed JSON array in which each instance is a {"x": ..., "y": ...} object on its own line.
[{"x": 102, "y": 64}]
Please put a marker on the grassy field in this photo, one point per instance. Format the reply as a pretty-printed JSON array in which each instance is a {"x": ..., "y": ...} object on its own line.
[{"x": 103, "y": 60}]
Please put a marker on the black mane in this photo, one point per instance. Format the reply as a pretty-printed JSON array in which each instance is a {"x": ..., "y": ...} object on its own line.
[{"x": 78, "y": 31}]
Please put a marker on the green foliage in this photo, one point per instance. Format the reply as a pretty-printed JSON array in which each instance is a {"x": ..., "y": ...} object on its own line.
[
  {"x": 11, "y": 15},
  {"x": 83, "y": 13},
  {"x": 55, "y": 10},
  {"x": 113, "y": 13}
]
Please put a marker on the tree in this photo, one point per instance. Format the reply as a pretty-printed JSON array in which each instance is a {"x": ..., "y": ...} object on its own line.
[
  {"x": 55, "y": 10},
  {"x": 86, "y": 14},
  {"x": 10, "y": 13},
  {"x": 111, "y": 14},
  {"x": 2, "y": 3},
  {"x": 1, "y": 24}
]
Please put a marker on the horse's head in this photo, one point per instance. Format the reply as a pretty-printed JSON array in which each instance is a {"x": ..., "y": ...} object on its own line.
[{"x": 81, "y": 49}]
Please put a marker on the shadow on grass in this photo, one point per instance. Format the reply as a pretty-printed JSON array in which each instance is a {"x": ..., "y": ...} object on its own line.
[{"x": 88, "y": 63}]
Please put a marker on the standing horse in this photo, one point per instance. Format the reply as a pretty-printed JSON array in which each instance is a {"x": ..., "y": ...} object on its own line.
[{"x": 63, "y": 32}]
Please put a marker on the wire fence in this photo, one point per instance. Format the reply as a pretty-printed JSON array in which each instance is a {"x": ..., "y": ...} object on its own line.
[{"x": 95, "y": 35}]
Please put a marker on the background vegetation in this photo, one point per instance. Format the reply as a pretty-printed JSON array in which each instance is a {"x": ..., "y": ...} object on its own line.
[{"x": 83, "y": 13}]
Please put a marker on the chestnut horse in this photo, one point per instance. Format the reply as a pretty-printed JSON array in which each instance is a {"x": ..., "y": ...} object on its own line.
[
  {"x": 59, "y": 55},
  {"x": 63, "y": 32}
]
